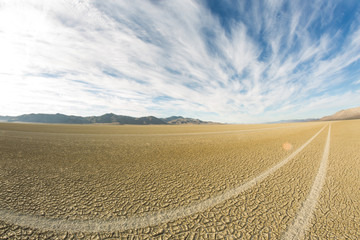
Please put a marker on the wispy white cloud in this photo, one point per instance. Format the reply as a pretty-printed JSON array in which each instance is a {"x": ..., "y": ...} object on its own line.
[{"x": 178, "y": 57}]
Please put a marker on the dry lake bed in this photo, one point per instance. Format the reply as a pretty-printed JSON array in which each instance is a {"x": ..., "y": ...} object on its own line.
[{"x": 275, "y": 181}]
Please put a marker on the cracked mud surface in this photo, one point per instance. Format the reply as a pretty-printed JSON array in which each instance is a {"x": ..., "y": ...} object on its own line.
[
  {"x": 338, "y": 211},
  {"x": 103, "y": 176}
]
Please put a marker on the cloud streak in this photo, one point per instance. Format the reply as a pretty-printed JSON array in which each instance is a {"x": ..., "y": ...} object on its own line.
[{"x": 236, "y": 62}]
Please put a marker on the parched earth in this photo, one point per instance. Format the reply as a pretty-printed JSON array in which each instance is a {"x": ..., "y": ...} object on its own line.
[{"x": 281, "y": 181}]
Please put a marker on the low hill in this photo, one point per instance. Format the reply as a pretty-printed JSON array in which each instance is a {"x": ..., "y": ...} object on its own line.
[
  {"x": 296, "y": 120},
  {"x": 351, "y": 113},
  {"x": 48, "y": 118},
  {"x": 5, "y": 118},
  {"x": 106, "y": 118}
]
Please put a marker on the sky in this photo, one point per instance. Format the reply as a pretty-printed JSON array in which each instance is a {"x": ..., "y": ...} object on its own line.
[{"x": 227, "y": 61}]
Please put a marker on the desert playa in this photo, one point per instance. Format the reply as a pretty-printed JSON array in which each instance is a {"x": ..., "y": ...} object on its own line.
[
  {"x": 182, "y": 119},
  {"x": 269, "y": 181}
]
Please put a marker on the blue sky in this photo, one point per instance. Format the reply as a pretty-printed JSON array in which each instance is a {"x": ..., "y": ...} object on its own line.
[{"x": 228, "y": 61}]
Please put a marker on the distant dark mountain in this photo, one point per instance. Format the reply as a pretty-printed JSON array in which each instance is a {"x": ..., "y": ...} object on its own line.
[
  {"x": 106, "y": 118},
  {"x": 5, "y": 118},
  {"x": 181, "y": 120},
  {"x": 69, "y": 119},
  {"x": 171, "y": 118},
  {"x": 121, "y": 119},
  {"x": 48, "y": 118},
  {"x": 297, "y": 120},
  {"x": 148, "y": 120},
  {"x": 347, "y": 114}
]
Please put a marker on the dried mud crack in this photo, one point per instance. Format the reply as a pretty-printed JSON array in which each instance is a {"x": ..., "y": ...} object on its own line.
[
  {"x": 286, "y": 181},
  {"x": 302, "y": 221},
  {"x": 145, "y": 220}
]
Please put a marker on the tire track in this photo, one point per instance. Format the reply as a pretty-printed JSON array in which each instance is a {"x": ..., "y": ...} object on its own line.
[
  {"x": 301, "y": 223},
  {"x": 143, "y": 220}
]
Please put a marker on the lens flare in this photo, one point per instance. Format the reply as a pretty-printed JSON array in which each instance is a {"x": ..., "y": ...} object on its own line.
[{"x": 287, "y": 146}]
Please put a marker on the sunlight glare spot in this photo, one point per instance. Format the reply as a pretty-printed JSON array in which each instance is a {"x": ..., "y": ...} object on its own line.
[{"x": 287, "y": 146}]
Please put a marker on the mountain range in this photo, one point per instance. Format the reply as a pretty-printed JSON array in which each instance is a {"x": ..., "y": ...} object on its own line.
[
  {"x": 346, "y": 114},
  {"x": 111, "y": 118},
  {"x": 106, "y": 118}
]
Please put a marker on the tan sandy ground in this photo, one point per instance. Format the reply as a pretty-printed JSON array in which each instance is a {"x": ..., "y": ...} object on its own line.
[
  {"x": 135, "y": 129},
  {"x": 103, "y": 176}
]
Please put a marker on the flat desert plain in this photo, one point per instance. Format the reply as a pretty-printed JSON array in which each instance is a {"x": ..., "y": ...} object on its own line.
[{"x": 276, "y": 181}]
